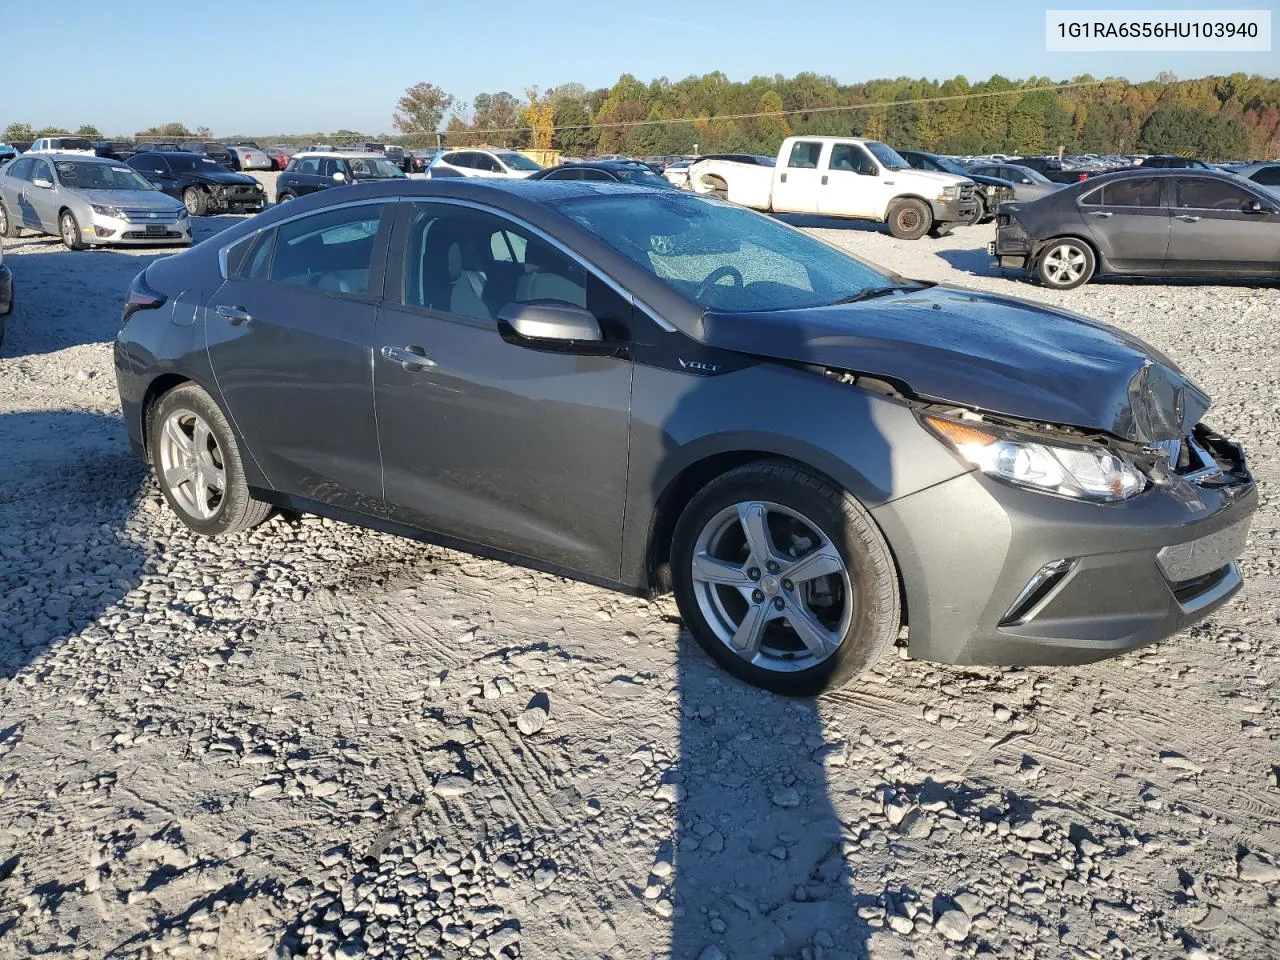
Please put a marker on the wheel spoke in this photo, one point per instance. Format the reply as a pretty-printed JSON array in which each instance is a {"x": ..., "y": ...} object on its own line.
[
  {"x": 816, "y": 563},
  {"x": 202, "y": 495},
  {"x": 707, "y": 569},
  {"x": 746, "y": 639},
  {"x": 182, "y": 443},
  {"x": 200, "y": 439},
  {"x": 754, "y": 520},
  {"x": 175, "y": 477},
  {"x": 816, "y": 638}
]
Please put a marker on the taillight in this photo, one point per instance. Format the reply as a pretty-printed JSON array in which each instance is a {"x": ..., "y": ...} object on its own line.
[{"x": 140, "y": 297}]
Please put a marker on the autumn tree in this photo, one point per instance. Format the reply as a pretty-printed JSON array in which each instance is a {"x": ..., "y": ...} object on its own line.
[
  {"x": 539, "y": 114},
  {"x": 421, "y": 109}
]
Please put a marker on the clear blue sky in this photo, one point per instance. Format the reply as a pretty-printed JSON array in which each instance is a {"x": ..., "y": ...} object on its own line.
[{"x": 306, "y": 65}]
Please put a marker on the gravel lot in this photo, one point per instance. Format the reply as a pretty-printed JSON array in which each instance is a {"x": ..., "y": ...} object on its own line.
[{"x": 314, "y": 740}]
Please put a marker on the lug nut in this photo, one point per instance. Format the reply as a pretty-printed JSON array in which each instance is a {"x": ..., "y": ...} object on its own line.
[
  {"x": 754, "y": 573},
  {"x": 772, "y": 567},
  {"x": 788, "y": 585},
  {"x": 778, "y": 603},
  {"x": 757, "y": 595}
]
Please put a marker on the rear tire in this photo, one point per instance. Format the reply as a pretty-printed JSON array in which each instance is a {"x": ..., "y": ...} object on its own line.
[
  {"x": 910, "y": 219},
  {"x": 284, "y": 198},
  {"x": 8, "y": 229},
  {"x": 847, "y": 599},
  {"x": 1065, "y": 264},
  {"x": 198, "y": 466}
]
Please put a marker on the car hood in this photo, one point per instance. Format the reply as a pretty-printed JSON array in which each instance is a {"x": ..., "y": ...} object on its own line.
[
  {"x": 993, "y": 353},
  {"x": 223, "y": 176},
  {"x": 986, "y": 181},
  {"x": 133, "y": 199},
  {"x": 928, "y": 176}
]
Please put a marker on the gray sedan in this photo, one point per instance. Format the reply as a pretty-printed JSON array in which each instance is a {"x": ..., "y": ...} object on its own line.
[
  {"x": 1028, "y": 184},
  {"x": 650, "y": 390},
  {"x": 88, "y": 201}
]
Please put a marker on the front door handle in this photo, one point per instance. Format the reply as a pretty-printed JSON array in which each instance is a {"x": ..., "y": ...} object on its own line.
[
  {"x": 782, "y": 178},
  {"x": 1187, "y": 218},
  {"x": 414, "y": 358},
  {"x": 1100, "y": 213},
  {"x": 237, "y": 315}
]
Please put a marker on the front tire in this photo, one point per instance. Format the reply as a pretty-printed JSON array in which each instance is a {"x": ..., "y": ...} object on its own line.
[
  {"x": 196, "y": 201},
  {"x": 910, "y": 219},
  {"x": 69, "y": 230},
  {"x": 981, "y": 215},
  {"x": 784, "y": 579},
  {"x": 1066, "y": 264},
  {"x": 198, "y": 465}
]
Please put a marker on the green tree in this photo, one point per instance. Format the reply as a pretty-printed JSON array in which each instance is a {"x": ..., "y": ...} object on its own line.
[
  {"x": 89, "y": 132},
  {"x": 53, "y": 132},
  {"x": 1174, "y": 130},
  {"x": 19, "y": 133},
  {"x": 421, "y": 109}
]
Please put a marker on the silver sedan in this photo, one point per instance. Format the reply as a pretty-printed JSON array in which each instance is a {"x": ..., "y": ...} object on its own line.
[
  {"x": 88, "y": 201},
  {"x": 1028, "y": 184}
]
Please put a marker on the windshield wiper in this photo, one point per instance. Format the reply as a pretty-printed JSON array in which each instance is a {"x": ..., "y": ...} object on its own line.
[{"x": 871, "y": 293}]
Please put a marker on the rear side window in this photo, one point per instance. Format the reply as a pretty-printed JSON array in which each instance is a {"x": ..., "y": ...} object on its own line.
[
  {"x": 1267, "y": 176},
  {"x": 1201, "y": 193},
  {"x": 310, "y": 166},
  {"x": 1132, "y": 193},
  {"x": 804, "y": 155},
  {"x": 330, "y": 252}
]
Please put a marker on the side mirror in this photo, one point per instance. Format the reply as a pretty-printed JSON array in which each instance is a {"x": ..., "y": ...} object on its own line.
[
  {"x": 1024, "y": 180},
  {"x": 340, "y": 177},
  {"x": 1255, "y": 206},
  {"x": 555, "y": 326},
  {"x": 42, "y": 183}
]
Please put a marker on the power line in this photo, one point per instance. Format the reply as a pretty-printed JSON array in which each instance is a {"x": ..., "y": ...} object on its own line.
[{"x": 803, "y": 110}]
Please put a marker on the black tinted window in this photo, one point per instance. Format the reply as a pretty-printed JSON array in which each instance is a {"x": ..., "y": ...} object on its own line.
[
  {"x": 567, "y": 174},
  {"x": 1205, "y": 194},
  {"x": 309, "y": 166},
  {"x": 472, "y": 264},
  {"x": 805, "y": 155},
  {"x": 1132, "y": 193},
  {"x": 330, "y": 252},
  {"x": 596, "y": 175},
  {"x": 1267, "y": 176}
]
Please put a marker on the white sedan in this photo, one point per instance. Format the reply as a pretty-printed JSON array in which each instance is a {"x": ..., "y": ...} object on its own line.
[{"x": 506, "y": 164}]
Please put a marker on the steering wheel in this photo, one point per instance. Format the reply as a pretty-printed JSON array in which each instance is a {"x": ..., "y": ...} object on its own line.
[{"x": 715, "y": 276}]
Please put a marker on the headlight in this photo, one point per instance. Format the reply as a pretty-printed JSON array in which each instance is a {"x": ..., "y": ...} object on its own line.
[
  {"x": 182, "y": 213},
  {"x": 1083, "y": 472},
  {"x": 949, "y": 193},
  {"x": 105, "y": 210}
]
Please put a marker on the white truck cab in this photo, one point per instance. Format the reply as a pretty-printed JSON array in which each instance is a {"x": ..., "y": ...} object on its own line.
[
  {"x": 77, "y": 145},
  {"x": 844, "y": 177}
]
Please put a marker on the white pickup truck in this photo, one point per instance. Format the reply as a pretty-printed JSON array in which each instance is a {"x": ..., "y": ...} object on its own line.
[{"x": 843, "y": 177}]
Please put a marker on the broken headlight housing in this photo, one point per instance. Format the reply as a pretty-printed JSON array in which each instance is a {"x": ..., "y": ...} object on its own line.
[{"x": 1081, "y": 471}]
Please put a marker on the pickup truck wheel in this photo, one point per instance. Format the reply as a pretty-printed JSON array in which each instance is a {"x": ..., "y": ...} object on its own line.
[{"x": 910, "y": 219}]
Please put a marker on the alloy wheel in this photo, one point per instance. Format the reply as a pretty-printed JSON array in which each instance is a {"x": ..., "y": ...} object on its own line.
[
  {"x": 1064, "y": 264},
  {"x": 193, "y": 467},
  {"x": 68, "y": 230},
  {"x": 772, "y": 586}
]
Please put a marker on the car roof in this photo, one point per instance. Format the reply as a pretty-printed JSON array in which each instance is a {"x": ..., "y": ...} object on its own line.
[
  {"x": 79, "y": 157},
  {"x": 174, "y": 153},
  {"x": 344, "y": 154}
]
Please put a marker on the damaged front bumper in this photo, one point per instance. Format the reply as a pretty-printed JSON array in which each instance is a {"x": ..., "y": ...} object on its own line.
[{"x": 998, "y": 574}]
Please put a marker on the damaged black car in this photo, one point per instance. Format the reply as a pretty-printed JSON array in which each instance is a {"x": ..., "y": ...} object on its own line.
[
  {"x": 201, "y": 183},
  {"x": 650, "y": 390}
]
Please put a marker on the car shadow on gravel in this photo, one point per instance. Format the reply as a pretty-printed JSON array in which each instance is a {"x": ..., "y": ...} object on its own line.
[
  {"x": 69, "y": 484},
  {"x": 975, "y": 261}
]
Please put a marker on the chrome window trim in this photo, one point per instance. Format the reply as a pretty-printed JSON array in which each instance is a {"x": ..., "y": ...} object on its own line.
[{"x": 634, "y": 301}]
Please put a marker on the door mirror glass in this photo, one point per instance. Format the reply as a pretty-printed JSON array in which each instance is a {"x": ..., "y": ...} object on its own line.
[
  {"x": 43, "y": 183},
  {"x": 548, "y": 322},
  {"x": 339, "y": 177}
]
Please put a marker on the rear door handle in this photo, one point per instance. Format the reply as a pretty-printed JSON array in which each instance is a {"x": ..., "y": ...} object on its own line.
[
  {"x": 237, "y": 315},
  {"x": 414, "y": 358},
  {"x": 1187, "y": 218},
  {"x": 1100, "y": 213}
]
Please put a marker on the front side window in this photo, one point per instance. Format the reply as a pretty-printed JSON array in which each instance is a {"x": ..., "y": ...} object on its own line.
[
  {"x": 722, "y": 257},
  {"x": 1267, "y": 176},
  {"x": 331, "y": 252},
  {"x": 518, "y": 161},
  {"x": 193, "y": 163},
  {"x": 144, "y": 162},
  {"x": 1202, "y": 193},
  {"x": 309, "y": 166},
  {"x": 850, "y": 157},
  {"x": 804, "y": 155},
  {"x": 471, "y": 264}
]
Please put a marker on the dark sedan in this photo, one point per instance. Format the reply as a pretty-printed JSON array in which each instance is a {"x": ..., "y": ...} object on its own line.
[
  {"x": 643, "y": 388},
  {"x": 1154, "y": 223},
  {"x": 992, "y": 191},
  {"x": 203, "y": 185},
  {"x": 613, "y": 171}
]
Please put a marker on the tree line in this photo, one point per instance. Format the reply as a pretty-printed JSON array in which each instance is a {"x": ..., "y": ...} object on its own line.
[
  {"x": 1217, "y": 118},
  {"x": 1236, "y": 116}
]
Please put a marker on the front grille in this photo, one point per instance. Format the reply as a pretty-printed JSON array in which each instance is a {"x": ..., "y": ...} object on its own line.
[
  {"x": 151, "y": 216},
  {"x": 143, "y": 235},
  {"x": 967, "y": 191}
]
